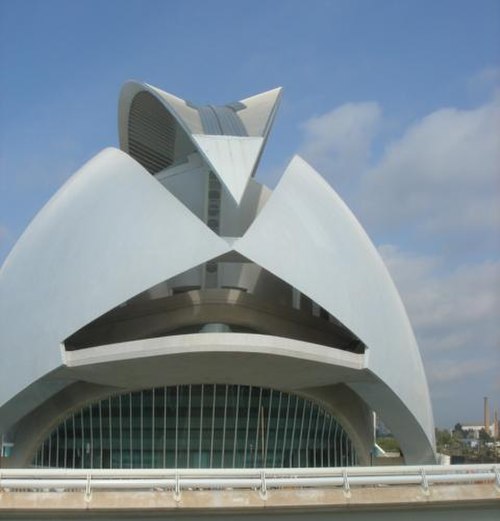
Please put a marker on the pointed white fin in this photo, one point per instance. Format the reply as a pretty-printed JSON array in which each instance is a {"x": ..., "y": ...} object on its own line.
[
  {"x": 233, "y": 159},
  {"x": 258, "y": 114}
]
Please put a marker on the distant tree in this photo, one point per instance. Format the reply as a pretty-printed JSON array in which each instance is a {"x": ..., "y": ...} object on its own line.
[
  {"x": 484, "y": 436},
  {"x": 458, "y": 431},
  {"x": 443, "y": 438}
]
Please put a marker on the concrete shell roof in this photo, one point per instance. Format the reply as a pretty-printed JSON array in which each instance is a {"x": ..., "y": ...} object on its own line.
[
  {"x": 307, "y": 236},
  {"x": 112, "y": 231},
  {"x": 105, "y": 236}
]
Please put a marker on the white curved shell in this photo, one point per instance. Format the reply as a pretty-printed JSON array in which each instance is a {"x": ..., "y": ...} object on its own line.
[
  {"x": 308, "y": 237},
  {"x": 113, "y": 231},
  {"x": 110, "y": 232}
]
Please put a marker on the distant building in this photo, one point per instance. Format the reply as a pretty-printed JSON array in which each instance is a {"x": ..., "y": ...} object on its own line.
[
  {"x": 164, "y": 309},
  {"x": 475, "y": 429}
]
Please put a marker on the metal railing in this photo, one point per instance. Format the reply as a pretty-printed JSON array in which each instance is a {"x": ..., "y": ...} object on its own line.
[{"x": 261, "y": 480}]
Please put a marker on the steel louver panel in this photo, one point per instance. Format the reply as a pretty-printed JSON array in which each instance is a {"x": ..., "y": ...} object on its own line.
[{"x": 152, "y": 133}]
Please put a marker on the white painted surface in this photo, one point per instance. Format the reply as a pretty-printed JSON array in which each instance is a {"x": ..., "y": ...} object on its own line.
[
  {"x": 109, "y": 233},
  {"x": 233, "y": 159},
  {"x": 308, "y": 237}
]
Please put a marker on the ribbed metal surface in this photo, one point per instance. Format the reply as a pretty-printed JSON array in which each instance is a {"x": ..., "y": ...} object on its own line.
[
  {"x": 198, "y": 426},
  {"x": 151, "y": 133},
  {"x": 230, "y": 122},
  {"x": 221, "y": 121},
  {"x": 209, "y": 121}
]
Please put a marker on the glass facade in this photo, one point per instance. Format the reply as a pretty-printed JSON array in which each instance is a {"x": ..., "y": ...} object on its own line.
[{"x": 198, "y": 426}]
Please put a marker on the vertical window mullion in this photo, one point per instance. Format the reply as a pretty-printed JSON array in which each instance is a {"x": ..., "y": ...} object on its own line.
[
  {"x": 335, "y": 444},
  {"x": 141, "y": 426},
  {"x": 301, "y": 430},
  {"x": 249, "y": 404},
  {"x": 315, "y": 446},
  {"x": 110, "y": 428},
  {"x": 164, "y": 427},
  {"x": 200, "y": 446},
  {"x": 290, "y": 460},
  {"x": 285, "y": 433},
  {"x": 153, "y": 426},
  {"x": 131, "y": 452},
  {"x": 100, "y": 434},
  {"x": 236, "y": 416},
  {"x": 120, "y": 427},
  {"x": 224, "y": 422},
  {"x": 309, "y": 433},
  {"x": 277, "y": 429},
  {"x": 188, "y": 455},
  {"x": 91, "y": 438},
  {"x": 57, "y": 447},
  {"x": 212, "y": 431},
  {"x": 322, "y": 445},
  {"x": 270, "y": 405},
  {"x": 66, "y": 443},
  {"x": 83, "y": 438},
  {"x": 176, "y": 455},
  {"x": 257, "y": 430},
  {"x": 74, "y": 441},
  {"x": 346, "y": 449},
  {"x": 329, "y": 441},
  {"x": 341, "y": 448}
]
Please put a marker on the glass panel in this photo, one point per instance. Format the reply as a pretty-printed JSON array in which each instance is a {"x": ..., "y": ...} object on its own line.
[{"x": 191, "y": 426}]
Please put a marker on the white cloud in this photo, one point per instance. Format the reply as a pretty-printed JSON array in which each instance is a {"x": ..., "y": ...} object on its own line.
[
  {"x": 339, "y": 142},
  {"x": 446, "y": 371},
  {"x": 450, "y": 310},
  {"x": 441, "y": 176},
  {"x": 455, "y": 313},
  {"x": 437, "y": 183},
  {"x": 486, "y": 79}
]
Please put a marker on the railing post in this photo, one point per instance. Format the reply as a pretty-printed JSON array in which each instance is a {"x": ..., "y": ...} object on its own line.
[
  {"x": 347, "y": 487},
  {"x": 425, "y": 482},
  {"x": 496, "y": 470},
  {"x": 263, "y": 485},
  {"x": 88, "y": 489},
  {"x": 177, "y": 489}
]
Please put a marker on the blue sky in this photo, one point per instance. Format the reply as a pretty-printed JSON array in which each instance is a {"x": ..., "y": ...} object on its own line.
[{"x": 396, "y": 102}]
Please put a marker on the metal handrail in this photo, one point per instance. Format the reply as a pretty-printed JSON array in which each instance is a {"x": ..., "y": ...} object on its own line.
[{"x": 179, "y": 480}]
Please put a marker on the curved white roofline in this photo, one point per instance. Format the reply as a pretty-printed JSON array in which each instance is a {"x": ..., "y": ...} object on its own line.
[
  {"x": 105, "y": 236},
  {"x": 113, "y": 231},
  {"x": 308, "y": 237}
]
